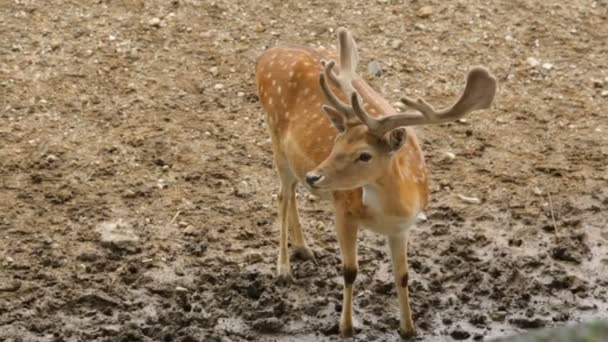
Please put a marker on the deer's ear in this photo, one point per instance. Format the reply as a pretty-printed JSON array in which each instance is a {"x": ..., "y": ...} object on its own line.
[
  {"x": 336, "y": 118},
  {"x": 396, "y": 138}
]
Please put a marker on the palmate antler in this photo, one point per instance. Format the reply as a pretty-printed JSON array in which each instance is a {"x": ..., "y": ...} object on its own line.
[{"x": 478, "y": 94}]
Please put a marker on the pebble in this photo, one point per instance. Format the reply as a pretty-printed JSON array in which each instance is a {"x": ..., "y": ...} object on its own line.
[
  {"x": 424, "y": 11},
  {"x": 459, "y": 334},
  {"x": 533, "y": 62},
  {"x": 259, "y": 28},
  {"x": 547, "y": 66},
  {"x": 218, "y": 86},
  {"x": 190, "y": 230},
  {"x": 597, "y": 83},
  {"x": 604, "y": 93},
  {"x": 214, "y": 71},
  {"x": 498, "y": 316},
  {"x": 396, "y": 44},
  {"x": 154, "y": 22},
  {"x": 374, "y": 68}
]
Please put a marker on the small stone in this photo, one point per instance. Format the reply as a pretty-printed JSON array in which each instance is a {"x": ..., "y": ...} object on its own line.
[
  {"x": 214, "y": 71},
  {"x": 422, "y": 217},
  {"x": 181, "y": 289},
  {"x": 424, "y": 11},
  {"x": 182, "y": 224},
  {"x": 498, "y": 316},
  {"x": 533, "y": 62},
  {"x": 259, "y": 28},
  {"x": 112, "y": 38},
  {"x": 396, "y": 44},
  {"x": 537, "y": 191},
  {"x": 547, "y": 66},
  {"x": 604, "y": 93},
  {"x": 459, "y": 334},
  {"x": 218, "y": 86},
  {"x": 374, "y": 68},
  {"x": 419, "y": 27},
  {"x": 597, "y": 83},
  {"x": 154, "y": 22},
  {"x": 240, "y": 94},
  {"x": 189, "y": 230},
  {"x": 450, "y": 155},
  {"x": 586, "y": 306}
]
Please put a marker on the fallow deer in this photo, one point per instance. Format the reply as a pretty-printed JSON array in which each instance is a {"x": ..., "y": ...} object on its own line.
[{"x": 341, "y": 139}]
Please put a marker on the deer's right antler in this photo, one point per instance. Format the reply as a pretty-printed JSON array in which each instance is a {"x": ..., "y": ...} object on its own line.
[{"x": 478, "y": 94}]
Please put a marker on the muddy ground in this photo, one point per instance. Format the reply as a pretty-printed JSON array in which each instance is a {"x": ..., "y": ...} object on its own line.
[{"x": 137, "y": 195}]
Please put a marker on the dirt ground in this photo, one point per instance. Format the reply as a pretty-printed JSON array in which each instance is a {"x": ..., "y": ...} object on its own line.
[{"x": 137, "y": 191}]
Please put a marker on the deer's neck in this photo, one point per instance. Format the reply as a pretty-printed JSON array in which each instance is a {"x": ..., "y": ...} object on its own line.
[{"x": 394, "y": 194}]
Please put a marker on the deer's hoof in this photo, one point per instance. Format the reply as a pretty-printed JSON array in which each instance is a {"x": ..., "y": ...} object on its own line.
[
  {"x": 284, "y": 278},
  {"x": 406, "y": 334},
  {"x": 347, "y": 332}
]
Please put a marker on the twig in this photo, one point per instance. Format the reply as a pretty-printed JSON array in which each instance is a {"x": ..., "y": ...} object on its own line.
[
  {"x": 553, "y": 216},
  {"x": 175, "y": 217}
]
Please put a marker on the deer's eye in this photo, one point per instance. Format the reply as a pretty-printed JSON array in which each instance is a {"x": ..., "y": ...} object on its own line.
[{"x": 364, "y": 157}]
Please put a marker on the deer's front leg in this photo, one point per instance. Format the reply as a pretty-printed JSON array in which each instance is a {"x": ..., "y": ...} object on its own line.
[
  {"x": 398, "y": 246},
  {"x": 347, "y": 238},
  {"x": 283, "y": 267}
]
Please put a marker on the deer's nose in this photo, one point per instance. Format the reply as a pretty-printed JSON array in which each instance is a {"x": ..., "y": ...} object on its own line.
[{"x": 311, "y": 179}]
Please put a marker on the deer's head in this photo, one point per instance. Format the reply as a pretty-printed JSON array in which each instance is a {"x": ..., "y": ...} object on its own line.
[{"x": 365, "y": 146}]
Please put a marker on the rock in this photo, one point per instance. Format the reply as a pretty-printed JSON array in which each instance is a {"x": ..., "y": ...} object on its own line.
[
  {"x": 154, "y": 22},
  {"x": 259, "y": 28},
  {"x": 374, "y": 68},
  {"x": 218, "y": 86},
  {"x": 190, "y": 230},
  {"x": 396, "y": 44},
  {"x": 498, "y": 316},
  {"x": 424, "y": 12},
  {"x": 586, "y": 306},
  {"x": 533, "y": 62},
  {"x": 449, "y": 155},
  {"x": 118, "y": 235},
  {"x": 604, "y": 93},
  {"x": 459, "y": 334},
  {"x": 267, "y": 325},
  {"x": 9, "y": 286},
  {"x": 528, "y": 323},
  {"x": 547, "y": 66},
  {"x": 597, "y": 83},
  {"x": 244, "y": 189},
  {"x": 214, "y": 71}
]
